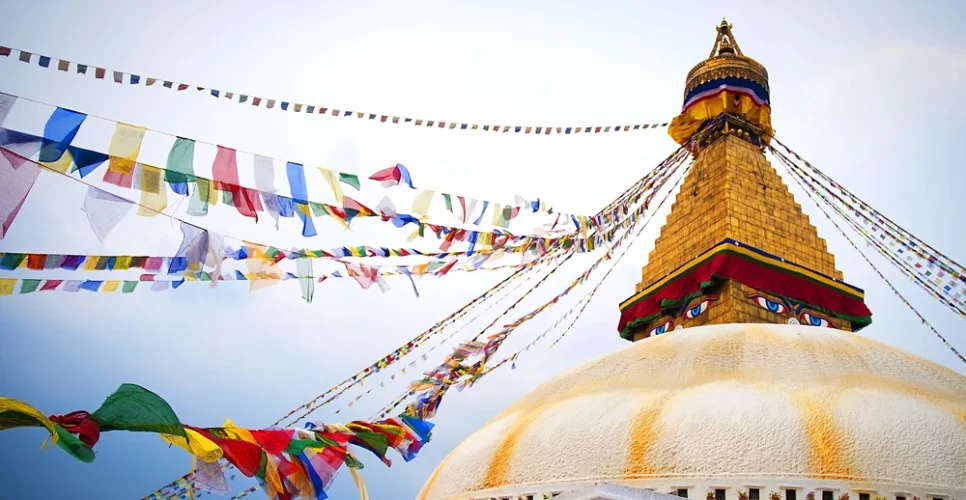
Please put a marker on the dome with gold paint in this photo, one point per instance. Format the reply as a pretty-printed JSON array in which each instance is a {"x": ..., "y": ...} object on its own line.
[{"x": 739, "y": 407}]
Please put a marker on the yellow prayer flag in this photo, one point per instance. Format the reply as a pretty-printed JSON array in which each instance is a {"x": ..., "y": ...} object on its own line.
[
  {"x": 196, "y": 444},
  {"x": 332, "y": 179},
  {"x": 154, "y": 194},
  {"x": 7, "y": 285},
  {"x": 124, "y": 148},
  {"x": 123, "y": 262},
  {"x": 497, "y": 213},
  {"x": 60, "y": 165},
  {"x": 421, "y": 203},
  {"x": 91, "y": 263},
  {"x": 110, "y": 286}
]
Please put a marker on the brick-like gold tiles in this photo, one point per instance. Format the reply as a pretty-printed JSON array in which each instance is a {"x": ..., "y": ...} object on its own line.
[{"x": 734, "y": 192}]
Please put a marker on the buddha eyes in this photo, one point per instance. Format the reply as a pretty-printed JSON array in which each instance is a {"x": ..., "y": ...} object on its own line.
[
  {"x": 769, "y": 305},
  {"x": 662, "y": 328},
  {"x": 811, "y": 320},
  {"x": 698, "y": 309}
]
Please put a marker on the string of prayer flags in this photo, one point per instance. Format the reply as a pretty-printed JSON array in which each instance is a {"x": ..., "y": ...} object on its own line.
[
  {"x": 790, "y": 166},
  {"x": 179, "y": 172},
  {"x": 269, "y": 455},
  {"x": 121, "y": 77},
  {"x": 938, "y": 275},
  {"x": 456, "y": 371}
]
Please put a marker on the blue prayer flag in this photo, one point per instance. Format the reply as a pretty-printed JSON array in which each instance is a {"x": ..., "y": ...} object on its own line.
[{"x": 59, "y": 131}]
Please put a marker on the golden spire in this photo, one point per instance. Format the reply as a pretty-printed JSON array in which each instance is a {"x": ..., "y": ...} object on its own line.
[{"x": 726, "y": 60}]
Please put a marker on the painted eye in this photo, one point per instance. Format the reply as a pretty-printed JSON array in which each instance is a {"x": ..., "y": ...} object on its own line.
[
  {"x": 769, "y": 305},
  {"x": 808, "y": 319},
  {"x": 701, "y": 307},
  {"x": 662, "y": 328}
]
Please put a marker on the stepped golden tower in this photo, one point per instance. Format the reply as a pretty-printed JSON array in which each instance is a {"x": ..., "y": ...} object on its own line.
[{"x": 746, "y": 379}]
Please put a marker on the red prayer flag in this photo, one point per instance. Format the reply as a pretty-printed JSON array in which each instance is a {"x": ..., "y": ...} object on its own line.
[
  {"x": 273, "y": 441},
  {"x": 4, "y": 51},
  {"x": 224, "y": 172},
  {"x": 50, "y": 285},
  {"x": 36, "y": 261},
  {"x": 242, "y": 454},
  {"x": 99, "y": 73}
]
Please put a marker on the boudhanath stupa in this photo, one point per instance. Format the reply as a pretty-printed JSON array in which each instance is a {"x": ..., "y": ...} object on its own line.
[{"x": 745, "y": 379}]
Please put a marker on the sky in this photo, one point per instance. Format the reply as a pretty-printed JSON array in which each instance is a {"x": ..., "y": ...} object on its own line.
[{"x": 866, "y": 91}]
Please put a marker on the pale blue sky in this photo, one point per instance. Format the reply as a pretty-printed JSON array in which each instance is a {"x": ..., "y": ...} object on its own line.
[{"x": 868, "y": 91}]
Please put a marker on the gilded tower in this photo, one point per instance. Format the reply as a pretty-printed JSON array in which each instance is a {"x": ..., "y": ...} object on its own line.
[{"x": 734, "y": 220}]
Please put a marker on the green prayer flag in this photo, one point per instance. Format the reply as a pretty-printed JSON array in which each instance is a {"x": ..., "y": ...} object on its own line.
[
  {"x": 318, "y": 209},
  {"x": 352, "y": 180},
  {"x": 129, "y": 286},
  {"x": 28, "y": 286},
  {"x": 136, "y": 409},
  {"x": 11, "y": 261},
  {"x": 198, "y": 205},
  {"x": 449, "y": 202},
  {"x": 180, "y": 167},
  {"x": 303, "y": 268}
]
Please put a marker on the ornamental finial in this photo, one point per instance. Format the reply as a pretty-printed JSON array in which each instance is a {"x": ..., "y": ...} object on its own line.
[{"x": 725, "y": 42}]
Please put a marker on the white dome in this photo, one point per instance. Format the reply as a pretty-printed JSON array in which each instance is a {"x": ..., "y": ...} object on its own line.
[{"x": 742, "y": 405}]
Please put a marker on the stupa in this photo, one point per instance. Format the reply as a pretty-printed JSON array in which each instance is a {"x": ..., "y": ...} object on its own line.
[{"x": 745, "y": 378}]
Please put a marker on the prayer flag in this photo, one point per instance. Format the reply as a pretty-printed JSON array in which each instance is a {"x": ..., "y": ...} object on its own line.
[
  {"x": 393, "y": 176},
  {"x": 180, "y": 167},
  {"x": 225, "y": 174},
  {"x": 352, "y": 180},
  {"x": 104, "y": 211},
  {"x": 6, "y": 104},
  {"x": 17, "y": 177},
  {"x": 7, "y": 285},
  {"x": 50, "y": 285},
  {"x": 29, "y": 285},
  {"x": 154, "y": 195},
  {"x": 422, "y": 202},
  {"x": 59, "y": 131},
  {"x": 303, "y": 267},
  {"x": 123, "y": 151}
]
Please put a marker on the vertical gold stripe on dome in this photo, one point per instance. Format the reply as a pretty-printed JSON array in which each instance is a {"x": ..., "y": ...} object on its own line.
[
  {"x": 828, "y": 453},
  {"x": 644, "y": 431},
  {"x": 498, "y": 472}
]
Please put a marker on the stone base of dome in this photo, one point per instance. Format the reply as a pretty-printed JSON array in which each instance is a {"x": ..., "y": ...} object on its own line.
[{"x": 734, "y": 487}]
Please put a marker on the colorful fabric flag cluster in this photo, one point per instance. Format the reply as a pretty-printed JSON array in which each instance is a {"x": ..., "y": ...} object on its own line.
[
  {"x": 357, "y": 379},
  {"x": 124, "y": 169},
  {"x": 289, "y": 463},
  {"x": 814, "y": 194},
  {"x": 124, "y": 78}
]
